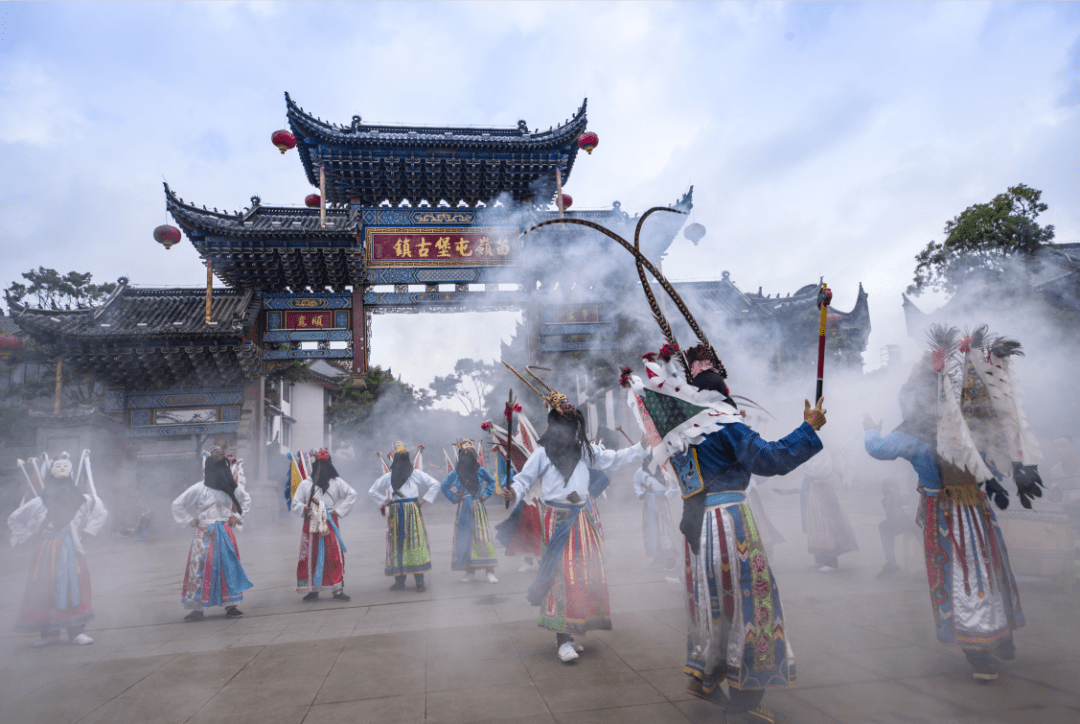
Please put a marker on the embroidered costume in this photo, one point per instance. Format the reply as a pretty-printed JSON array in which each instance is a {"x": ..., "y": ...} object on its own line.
[
  {"x": 322, "y": 500},
  {"x": 973, "y": 592},
  {"x": 214, "y": 575},
  {"x": 398, "y": 496},
  {"x": 570, "y": 586},
  {"x": 58, "y": 586},
  {"x": 469, "y": 485}
]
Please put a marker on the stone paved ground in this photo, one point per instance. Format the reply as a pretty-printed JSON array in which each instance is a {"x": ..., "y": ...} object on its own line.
[{"x": 472, "y": 652}]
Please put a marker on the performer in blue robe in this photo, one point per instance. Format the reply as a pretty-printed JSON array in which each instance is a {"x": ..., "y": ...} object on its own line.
[{"x": 469, "y": 485}]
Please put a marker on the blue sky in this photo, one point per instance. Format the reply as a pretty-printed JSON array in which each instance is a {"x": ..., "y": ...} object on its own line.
[{"x": 821, "y": 139}]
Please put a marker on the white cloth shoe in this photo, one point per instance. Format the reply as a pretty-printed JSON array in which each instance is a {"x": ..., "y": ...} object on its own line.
[
  {"x": 567, "y": 653},
  {"x": 491, "y": 577},
  {"x": 577, "y": 647},
  {"x": 467, "y": 577},
  {"x": 47, "y": 641},
  {"x": 524, "y": 567},
  {"x": 81, "y": 640}
]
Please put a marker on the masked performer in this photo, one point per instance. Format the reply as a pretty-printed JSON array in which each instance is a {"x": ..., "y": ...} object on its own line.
[
  {"x": 972, "y": 590},
  {"x": 469, "y": 485},
  {"x": 736, "y": 621},
  {"x": 322, "y": 500},
  {"x": 656, "y": 525},
  {"x": 398, "y": 496},
  {"x": 570, "y": 587},
  {"x": 213, "y": 506},
  {"x": 58, "y": 588}
]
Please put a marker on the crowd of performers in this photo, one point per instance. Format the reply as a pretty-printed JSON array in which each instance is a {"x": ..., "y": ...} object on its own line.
[{"x": 962, "y": 441}]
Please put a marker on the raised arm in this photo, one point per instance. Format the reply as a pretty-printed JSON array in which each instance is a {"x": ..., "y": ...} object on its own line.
[
  {"x": 615, "y": 459},
  {"x": 890, "y": 447},
  {"x": 760, "y": 457}
]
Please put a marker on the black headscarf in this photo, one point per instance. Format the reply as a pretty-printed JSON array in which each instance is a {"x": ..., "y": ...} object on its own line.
[
  {"x": 322, "y": 472},
  {"x": 400, "y": 470},
  {"x": 467, "y": 467},
  {"x": 566, "y": 442},
  {"x": 62, "y": 500},
  {"x": 217, "y": 475}
]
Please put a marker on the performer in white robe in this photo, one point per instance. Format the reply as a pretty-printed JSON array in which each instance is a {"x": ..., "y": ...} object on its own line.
[
  {"x": 322, "y": 499},
  {"x": 656, "y": 525},
  {"x": 570, "y": 586},
  {"x": 58, "y": 587},
  {"x": 406, "y": 535},
  {"x": 213, "y": 506}
]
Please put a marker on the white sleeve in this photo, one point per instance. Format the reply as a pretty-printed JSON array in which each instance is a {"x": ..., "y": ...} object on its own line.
[
  {"x": 244, "y": 499},
  {"x": 639, "y": 482},
  {"x": 94, "y": 515},
  {"x": 379, "y": 490},
  {"x": 432, "y": 483},
  {"x": 344, "y": 496},
  {"x": 529, "y": 474},
  {"x": 182, "y": 506},
  {"x": 615, "y": 459},
  {"x": 26, "y": 520},
  {"x": 300, "y": 497}
]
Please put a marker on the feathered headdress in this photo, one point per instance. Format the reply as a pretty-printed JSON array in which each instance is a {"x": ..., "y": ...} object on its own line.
[{"x": 553, "y": 399}]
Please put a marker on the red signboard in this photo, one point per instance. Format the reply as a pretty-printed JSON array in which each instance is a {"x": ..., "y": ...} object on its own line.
[
  {"x": 577, "y": 313},
  {"x": 308, "y": 320},
  {"x": 441, "y": 247}
]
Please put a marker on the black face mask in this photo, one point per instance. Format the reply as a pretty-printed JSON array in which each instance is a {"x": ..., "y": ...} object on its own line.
[
  {"x": 218, "y": 476},
  {"x": 467, "y": 468},
  {"x": 323, "y": 473},
  {"x": 565, "y": 443}
]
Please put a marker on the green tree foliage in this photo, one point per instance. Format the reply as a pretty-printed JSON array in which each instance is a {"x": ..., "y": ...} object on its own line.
[
  {"x": 980, "y": 241},
  {"x": 54, "y": 290},
  {"x": 354, "y": 405},
  {"x": 469, "y": 384}
]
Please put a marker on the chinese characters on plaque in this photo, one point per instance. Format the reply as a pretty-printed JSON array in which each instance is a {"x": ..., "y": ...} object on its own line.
[
  {"x": 577, "y": 314},
  {"x": 441, "y": 247}
]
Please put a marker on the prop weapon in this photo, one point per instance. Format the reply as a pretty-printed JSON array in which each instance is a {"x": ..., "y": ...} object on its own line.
[
  {"x": 509, "y": 433},
  {"x": 89, "y": 473},
  {"x": 619, "y": 428},
  {"x": 823, "y": 298}
]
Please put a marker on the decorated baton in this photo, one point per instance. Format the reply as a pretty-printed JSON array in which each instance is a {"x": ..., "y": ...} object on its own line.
[
  {"x": 823, "y": 298},
  {"x": 509, "y": 414}
]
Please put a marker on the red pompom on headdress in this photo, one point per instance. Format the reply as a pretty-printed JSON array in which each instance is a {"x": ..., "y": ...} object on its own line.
[
  {"x": 624, "y": 376},
  {"x": 323, "y": 454},
  {"x": 649, "y": 356},
  {"x": 668, "y": 351},
  {"x": 486, "y": 425}
]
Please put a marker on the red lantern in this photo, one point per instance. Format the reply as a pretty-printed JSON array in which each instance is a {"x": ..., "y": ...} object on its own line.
[
  {"x": 283, "y": 140},
  {"x": 312, "y": 201},
  {"x": 587, "y": 141},
  {"x": 567, "y": 201},
  {"x": 167, "y": 235},
  {"x": 10, "y": 343},
  {"x": 694, "y": 232}
]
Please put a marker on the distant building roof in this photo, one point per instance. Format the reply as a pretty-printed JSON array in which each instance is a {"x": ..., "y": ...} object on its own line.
[
  {"x": 153, "y": 337},
  {"x": 373, "y": 163}
]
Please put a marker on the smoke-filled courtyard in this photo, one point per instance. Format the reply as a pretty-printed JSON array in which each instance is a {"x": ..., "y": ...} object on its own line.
[{"x": 471, "y": 652}]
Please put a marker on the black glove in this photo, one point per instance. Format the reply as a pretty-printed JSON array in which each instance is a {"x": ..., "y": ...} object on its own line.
[
  {"x": 998, "y": 494},
  {"x": 1028, "y": 483}
]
